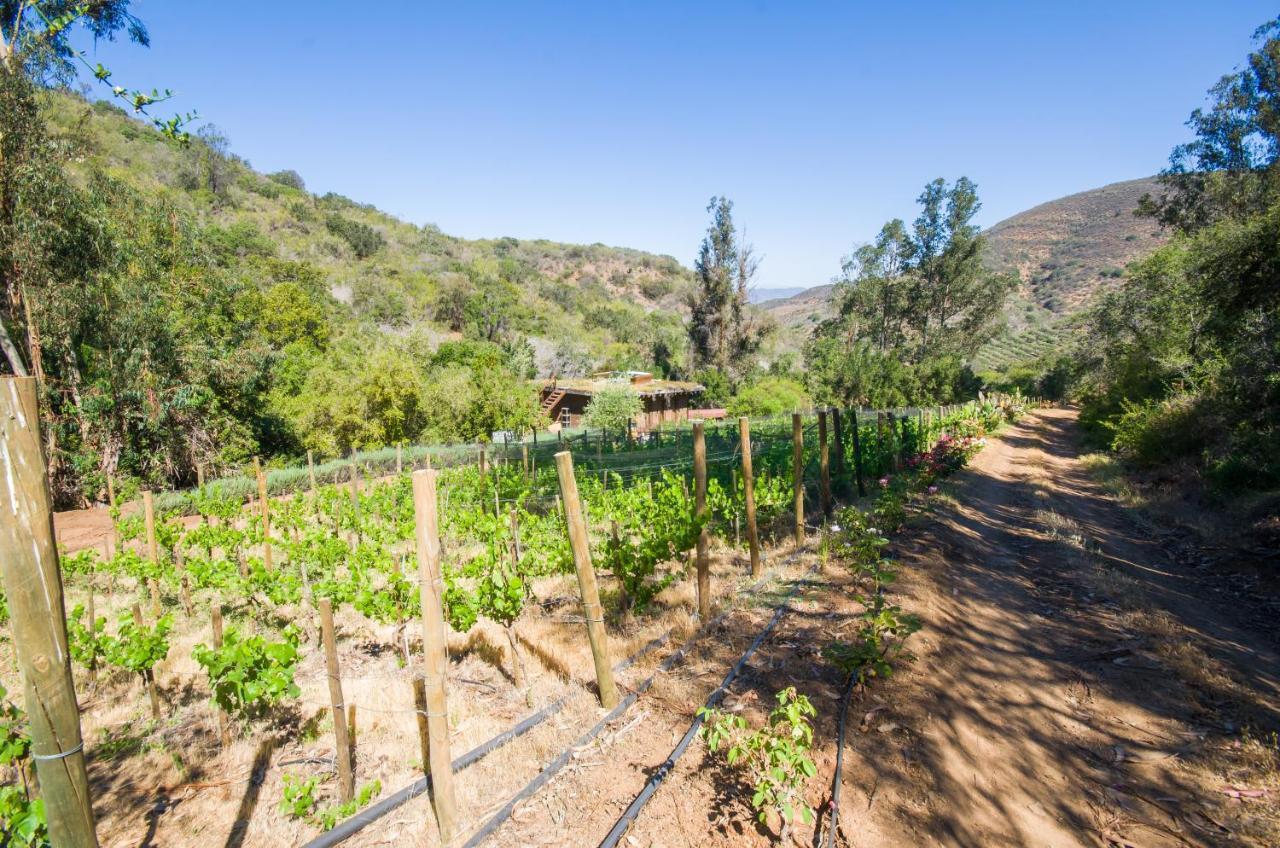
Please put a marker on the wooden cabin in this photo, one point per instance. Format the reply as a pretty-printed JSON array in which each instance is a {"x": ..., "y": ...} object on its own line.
[{"x": 565, "y": 400}]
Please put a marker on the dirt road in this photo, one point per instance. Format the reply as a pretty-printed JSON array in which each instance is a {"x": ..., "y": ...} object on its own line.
[{"x": 1074, "y": 687}]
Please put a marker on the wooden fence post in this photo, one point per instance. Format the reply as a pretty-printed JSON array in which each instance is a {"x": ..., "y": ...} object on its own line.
[
  {"x": 749, "y": 493},
  {"x": 591, "y": 608},
  {"x": 439, "y": 763},
  {"x": 148, "y": 676},
  {"x": 880, "y": 469},
  {"x": 266, "y": 519},
  {"x": 342, "y": 745},
  {"x": 311, "y": 472},
  {"x": 700, "y": 511},
  {"x": 797, "y": 474},
  {"x": 149, "y": 516},
  {"x": 399, "y": 460},
  {"x": 840, "y": 466},
  {"x": 824, "y": 464},
  {"x": 224, "y": 726},
  {"x": 857, "y": 454},
  {"x": 33, "y": 586}
]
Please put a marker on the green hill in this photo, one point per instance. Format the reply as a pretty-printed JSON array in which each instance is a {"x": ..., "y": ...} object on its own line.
[
  {"x": 1064, "y": 252},
  {"x": 607, "y": 305}
]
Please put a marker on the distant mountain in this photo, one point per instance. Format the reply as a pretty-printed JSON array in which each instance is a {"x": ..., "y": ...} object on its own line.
[
  {"x": 1065, "y": 252},
  {"x": 766, "y": 295}
]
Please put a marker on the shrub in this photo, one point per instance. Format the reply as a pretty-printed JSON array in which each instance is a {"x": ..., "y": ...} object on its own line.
[
  {"x": 612, "y": 406},
  {"x": 770, "y": 396},
  {"x": 1158, "y": 431},
  {"x": 363, "y": 239}
]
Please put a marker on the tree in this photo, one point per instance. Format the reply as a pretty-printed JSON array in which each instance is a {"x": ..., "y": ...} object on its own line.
[
  {"x": 612, "y": 406},
  {"x": 724, "y": 333},
  {"x": 1229, "y": 170},
  {"x": 770, "y": 396},
  {"x": 911, "y": 308}
]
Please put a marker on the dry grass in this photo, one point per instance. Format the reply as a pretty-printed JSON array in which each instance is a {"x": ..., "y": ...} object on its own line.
[{"x": 172, "y": 779}]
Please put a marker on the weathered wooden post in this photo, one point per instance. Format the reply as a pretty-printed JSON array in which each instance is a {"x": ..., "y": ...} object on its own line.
[
  {"x": 149, "y": 517},
  {"x": 797, "y": 473},
  {"x": 342, "y": 744},
  {"x": 880, "y": 469},
  {"x": 591, "y": 608},
  {"x": 857, "y": 454},
  {"x": 33, "y": 586},
  {"x": 199, "y": 475},
  {"x": 439, "y": 763},
  {"x": 266, "y": 519},
  {"x": 824, "y": 464},
  {"x": 840, "y": 467},
  {"x": 311, "y": 472},
  {"x": 148, "y": 676},
  {"x": 224, "y": 726},
  {"x": 749, "y": 493},
  {"x": 700, "y": 511},
  {"x": 399, "y": 459}
]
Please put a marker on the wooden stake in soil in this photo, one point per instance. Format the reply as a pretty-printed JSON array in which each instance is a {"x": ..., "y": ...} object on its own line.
[
  {"x": 342, "y": 745},
  {"x": 841, "y": 473},
  {"x": 311, "y": 472},
  {"x": 149, "y": 516},
  {"x": 797, "y": 473},
  {"x": 224, "y": 726},
  {"x": 351, "y": 734},
  {"x": 824, "y": 464},
  {"x": 399, "y": 460},
  {"x": 857, "y": 455},
  {"x": 591, "y": 608},
  {"x": 148, "y": 676},
  {"x": 266, "y": 519},
  {"x": 749, "y": 494},
  {"x": 33, "y": 586},
  {"x": 199, "y": 475},
  {"x": 433, "y": 649},
  {"x": 154, "y": 587},
  {"x": 700, "y": 511}
]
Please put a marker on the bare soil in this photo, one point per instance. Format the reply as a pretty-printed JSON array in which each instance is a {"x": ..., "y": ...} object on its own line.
[
  {"x": 1079, "y": 680},
  {"x": 1075, "y": 686}
]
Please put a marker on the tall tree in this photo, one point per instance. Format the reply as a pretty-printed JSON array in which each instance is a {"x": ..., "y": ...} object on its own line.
[
  {"x": 724, "y": 333},
  {"x": 923, "y": 293},
  {"x": 1229, "y": 170}
]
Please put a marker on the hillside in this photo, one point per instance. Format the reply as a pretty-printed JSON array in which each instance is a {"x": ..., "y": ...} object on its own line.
[
  {"x": 1064, "y": 252},
  {"x": 384, "y": 271}
]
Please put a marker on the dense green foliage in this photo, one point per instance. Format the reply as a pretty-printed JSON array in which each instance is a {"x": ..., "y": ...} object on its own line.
[
  {"x": 1181, "y": 362},
  {"x": 613, "y": 407},
  {"x": 183, "y": 310},
  {"x": 912, "y": 308},
  {"x": 724, "y": 333}
]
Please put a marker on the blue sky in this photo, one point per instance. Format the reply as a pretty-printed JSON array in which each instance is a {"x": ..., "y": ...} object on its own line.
[{"x": 615, "y": 122}]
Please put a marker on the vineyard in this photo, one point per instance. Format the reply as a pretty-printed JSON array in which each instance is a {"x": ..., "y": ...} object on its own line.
[{"x": 278, "y": 659}]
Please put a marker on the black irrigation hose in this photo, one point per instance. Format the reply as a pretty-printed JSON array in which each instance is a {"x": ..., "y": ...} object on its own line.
[
  {"x": 366, "y": 817},
  {"x": 629, "y": 815},
  {"x": 369, "y": 815},
  {"x": 553, "y": 768},
  {"x": 836, "y": 780}
]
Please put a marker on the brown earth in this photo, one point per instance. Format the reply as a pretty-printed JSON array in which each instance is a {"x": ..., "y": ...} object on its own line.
[{"x": 1075, "y": 685}]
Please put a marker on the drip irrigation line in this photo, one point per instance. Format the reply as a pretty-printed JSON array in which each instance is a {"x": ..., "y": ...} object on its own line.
[
  {"x": 554, "y": 767},
  {"x": 369, "y": 815},
  {"x": 837, "y": 779},
  {"x": 660, "y": 774}
]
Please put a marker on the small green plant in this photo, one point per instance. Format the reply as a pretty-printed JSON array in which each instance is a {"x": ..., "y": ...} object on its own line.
[
  {"x": 22, "y": 818},
  {"x": 137, "y": 647},
  {"x": 248, "y": 674},
  {"x": 775, "y": 757},
  {"x": 299, "y": 801},
  {"x": 88, "y": 642}
]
